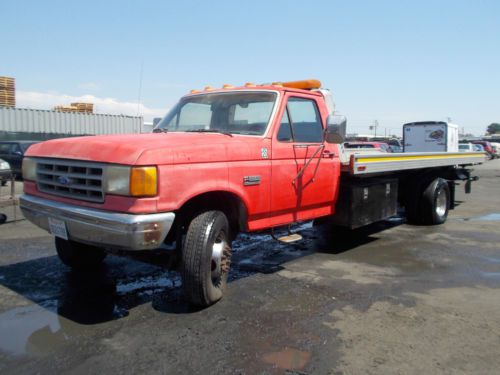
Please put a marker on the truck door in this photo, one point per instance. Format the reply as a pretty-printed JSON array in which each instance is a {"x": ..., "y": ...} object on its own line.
[{"x": 304, "y": 170}]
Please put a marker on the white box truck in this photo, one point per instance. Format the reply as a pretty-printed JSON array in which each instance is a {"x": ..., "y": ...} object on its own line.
[{"x": 430, "y": 136}]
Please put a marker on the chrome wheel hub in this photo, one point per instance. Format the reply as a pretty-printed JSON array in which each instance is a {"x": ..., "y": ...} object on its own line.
[
  {"x": 217, "y": 255},
  {"x": 441, "y": 203}
]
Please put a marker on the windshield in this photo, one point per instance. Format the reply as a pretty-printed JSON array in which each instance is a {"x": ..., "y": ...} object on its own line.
[{"x": 235, "y": 113}]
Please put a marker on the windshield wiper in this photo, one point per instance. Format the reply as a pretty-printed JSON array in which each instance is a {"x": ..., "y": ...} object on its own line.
[
  {"x": 160, "y": 130},
  {"x": 209, "y": 131}
]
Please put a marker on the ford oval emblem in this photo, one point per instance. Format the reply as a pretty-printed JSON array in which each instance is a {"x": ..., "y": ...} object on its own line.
[{"x": 63, "y": 180}]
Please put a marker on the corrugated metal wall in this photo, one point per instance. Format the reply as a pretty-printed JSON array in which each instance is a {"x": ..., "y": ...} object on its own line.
[{"x": 19, "y": 120}]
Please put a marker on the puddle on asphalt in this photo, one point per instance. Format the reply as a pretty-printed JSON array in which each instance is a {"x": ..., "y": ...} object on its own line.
[
  {"x": 491, "y": 259},
  {"x": 31, "y": 330},
  {"x": 489, "y": 217},
  {"x": 288, "y": 359},
  {"x": 494, "y": 275}
]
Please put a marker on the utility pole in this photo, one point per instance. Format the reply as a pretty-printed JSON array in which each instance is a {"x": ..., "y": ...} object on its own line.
[{"x": 375, "y": 126}]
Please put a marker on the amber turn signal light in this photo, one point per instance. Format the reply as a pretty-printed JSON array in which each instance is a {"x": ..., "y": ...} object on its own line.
[{"x": 143, "y": 182}]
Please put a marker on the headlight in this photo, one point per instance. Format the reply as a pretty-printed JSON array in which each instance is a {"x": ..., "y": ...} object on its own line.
[
  {"x": 118, "y": 180},
  {"x": 29, "y": 169},
  {"x": 4, "y": 165},
  {"x": 131, "y": 181}
]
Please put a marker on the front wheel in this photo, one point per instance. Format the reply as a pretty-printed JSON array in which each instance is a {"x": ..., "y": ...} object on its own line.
[
  {"x": 79, "y": 256},
  {"x": 206, "y": 258}
]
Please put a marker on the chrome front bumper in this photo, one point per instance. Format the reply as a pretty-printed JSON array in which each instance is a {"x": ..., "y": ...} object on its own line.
[{"x": 100, "y": 228}]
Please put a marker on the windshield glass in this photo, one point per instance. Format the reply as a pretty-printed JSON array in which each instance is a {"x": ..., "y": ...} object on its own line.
[{"x": 236, "y": 113}]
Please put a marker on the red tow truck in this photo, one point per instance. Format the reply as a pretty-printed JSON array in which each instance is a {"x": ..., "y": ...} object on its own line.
[{"x": 224, "y": 161}]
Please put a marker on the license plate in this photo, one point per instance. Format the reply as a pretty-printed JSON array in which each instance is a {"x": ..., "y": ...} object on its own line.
[{"x": 58, "y": 228}]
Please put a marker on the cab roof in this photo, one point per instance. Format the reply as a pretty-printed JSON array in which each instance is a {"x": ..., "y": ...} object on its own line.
[{"x": 294, "y": 86}]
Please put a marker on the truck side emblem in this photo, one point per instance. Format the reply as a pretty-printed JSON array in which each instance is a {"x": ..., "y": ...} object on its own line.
[
  {"x": 437, "y": 134},
  {"x": 251, "y": 180},
  {"x": 63, "y": 180},
  {"x": 263, "y": 153}
]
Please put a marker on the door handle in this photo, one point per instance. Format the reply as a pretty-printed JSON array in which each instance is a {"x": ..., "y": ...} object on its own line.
[{"x": 328, "y": 154}]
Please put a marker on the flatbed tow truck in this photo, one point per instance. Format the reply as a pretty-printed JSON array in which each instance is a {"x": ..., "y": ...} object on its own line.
[{"x": 224, "y": 161}]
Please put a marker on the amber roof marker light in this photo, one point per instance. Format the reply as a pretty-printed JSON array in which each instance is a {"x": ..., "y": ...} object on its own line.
[{"x": 307, "y": 84}]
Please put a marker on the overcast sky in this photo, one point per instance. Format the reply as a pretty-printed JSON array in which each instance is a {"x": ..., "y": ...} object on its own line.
[{"x": 390, "y": 61}]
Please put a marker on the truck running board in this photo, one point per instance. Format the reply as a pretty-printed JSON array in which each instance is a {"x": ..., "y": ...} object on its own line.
[
  {"x": 294, "y": 237},
  {"x": 289, "y": 238}
]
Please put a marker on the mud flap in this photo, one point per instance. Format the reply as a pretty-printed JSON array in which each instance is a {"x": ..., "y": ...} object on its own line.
[{"x": 468, "y": 184}]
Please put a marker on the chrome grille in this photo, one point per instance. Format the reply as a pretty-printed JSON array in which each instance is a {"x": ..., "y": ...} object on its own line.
[{"x": 71, "y": 179}]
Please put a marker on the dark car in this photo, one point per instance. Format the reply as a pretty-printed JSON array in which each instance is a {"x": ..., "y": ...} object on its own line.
[{"x": 13, "y": 152}]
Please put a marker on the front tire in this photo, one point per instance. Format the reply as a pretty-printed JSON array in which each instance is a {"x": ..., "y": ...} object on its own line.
[
  {"x": 79, "y": 256},
  {"x": 206, "y": 258}
]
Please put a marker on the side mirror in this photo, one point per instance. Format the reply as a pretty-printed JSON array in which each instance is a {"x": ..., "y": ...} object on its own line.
[{"x": 335, "y": 129}]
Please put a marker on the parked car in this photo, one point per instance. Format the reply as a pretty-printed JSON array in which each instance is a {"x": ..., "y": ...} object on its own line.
[
  {"x": 496, "y": 149},
  {"x": 466, "y": 147},
  {"x": 379, "y": 145},
  {"x": 13, "y": 153},
  {"x": 5, "y": 172},
  {"x": 478, "y": 147},
  {"x": 487, "y": 147}
]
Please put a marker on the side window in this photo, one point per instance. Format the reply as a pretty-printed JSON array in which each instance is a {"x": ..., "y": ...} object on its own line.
[
  {"x": 15, "y": 149},
  {"x": 285, "y": 131},
  {"x": 5, "y": 148},
  {"x": 305, "y": 120}
]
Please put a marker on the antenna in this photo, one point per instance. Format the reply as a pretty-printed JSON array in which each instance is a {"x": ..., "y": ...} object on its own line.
[{"x": 140, "y": 89}]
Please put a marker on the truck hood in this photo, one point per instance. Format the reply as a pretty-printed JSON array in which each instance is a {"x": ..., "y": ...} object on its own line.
[{"x": 153, "y": 148}]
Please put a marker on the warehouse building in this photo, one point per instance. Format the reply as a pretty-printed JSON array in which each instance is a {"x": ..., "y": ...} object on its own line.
[
  {"x": 37, "y": 124},
  {"x": 71, "y": 120}
]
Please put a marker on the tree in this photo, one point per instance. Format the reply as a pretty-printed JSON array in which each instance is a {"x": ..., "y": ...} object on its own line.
[{"x": 493, "y": 128}]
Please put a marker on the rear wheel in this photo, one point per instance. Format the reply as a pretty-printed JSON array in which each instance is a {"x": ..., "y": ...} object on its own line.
[
  {"x": 79, "y": 256},
  {"x": 435, "y": 202},
  {"x": 206, "y": 258},
  {"x": 428, "y": 202}
]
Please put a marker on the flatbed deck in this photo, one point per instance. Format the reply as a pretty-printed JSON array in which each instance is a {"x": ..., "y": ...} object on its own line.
[{"x": 374, "y": 163}]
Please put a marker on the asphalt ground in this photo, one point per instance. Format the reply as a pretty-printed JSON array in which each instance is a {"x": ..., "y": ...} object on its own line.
[{"x": 389, "y": 299}]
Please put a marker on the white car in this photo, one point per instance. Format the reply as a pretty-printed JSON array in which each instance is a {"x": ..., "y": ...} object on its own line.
[
  {"x": 5, "y": 172},
  {"x": 496, "y": 149},
  {"x": 466, "y": 147}
]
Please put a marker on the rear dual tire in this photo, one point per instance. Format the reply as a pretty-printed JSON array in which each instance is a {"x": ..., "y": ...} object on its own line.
[{"x": 429, "y": 202}]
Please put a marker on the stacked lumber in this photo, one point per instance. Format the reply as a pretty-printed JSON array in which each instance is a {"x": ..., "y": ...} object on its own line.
[
  {"x": 84, "y": 107},
  {"x": 7, "y": 92},
  {"x": 76, "y": 108}
]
